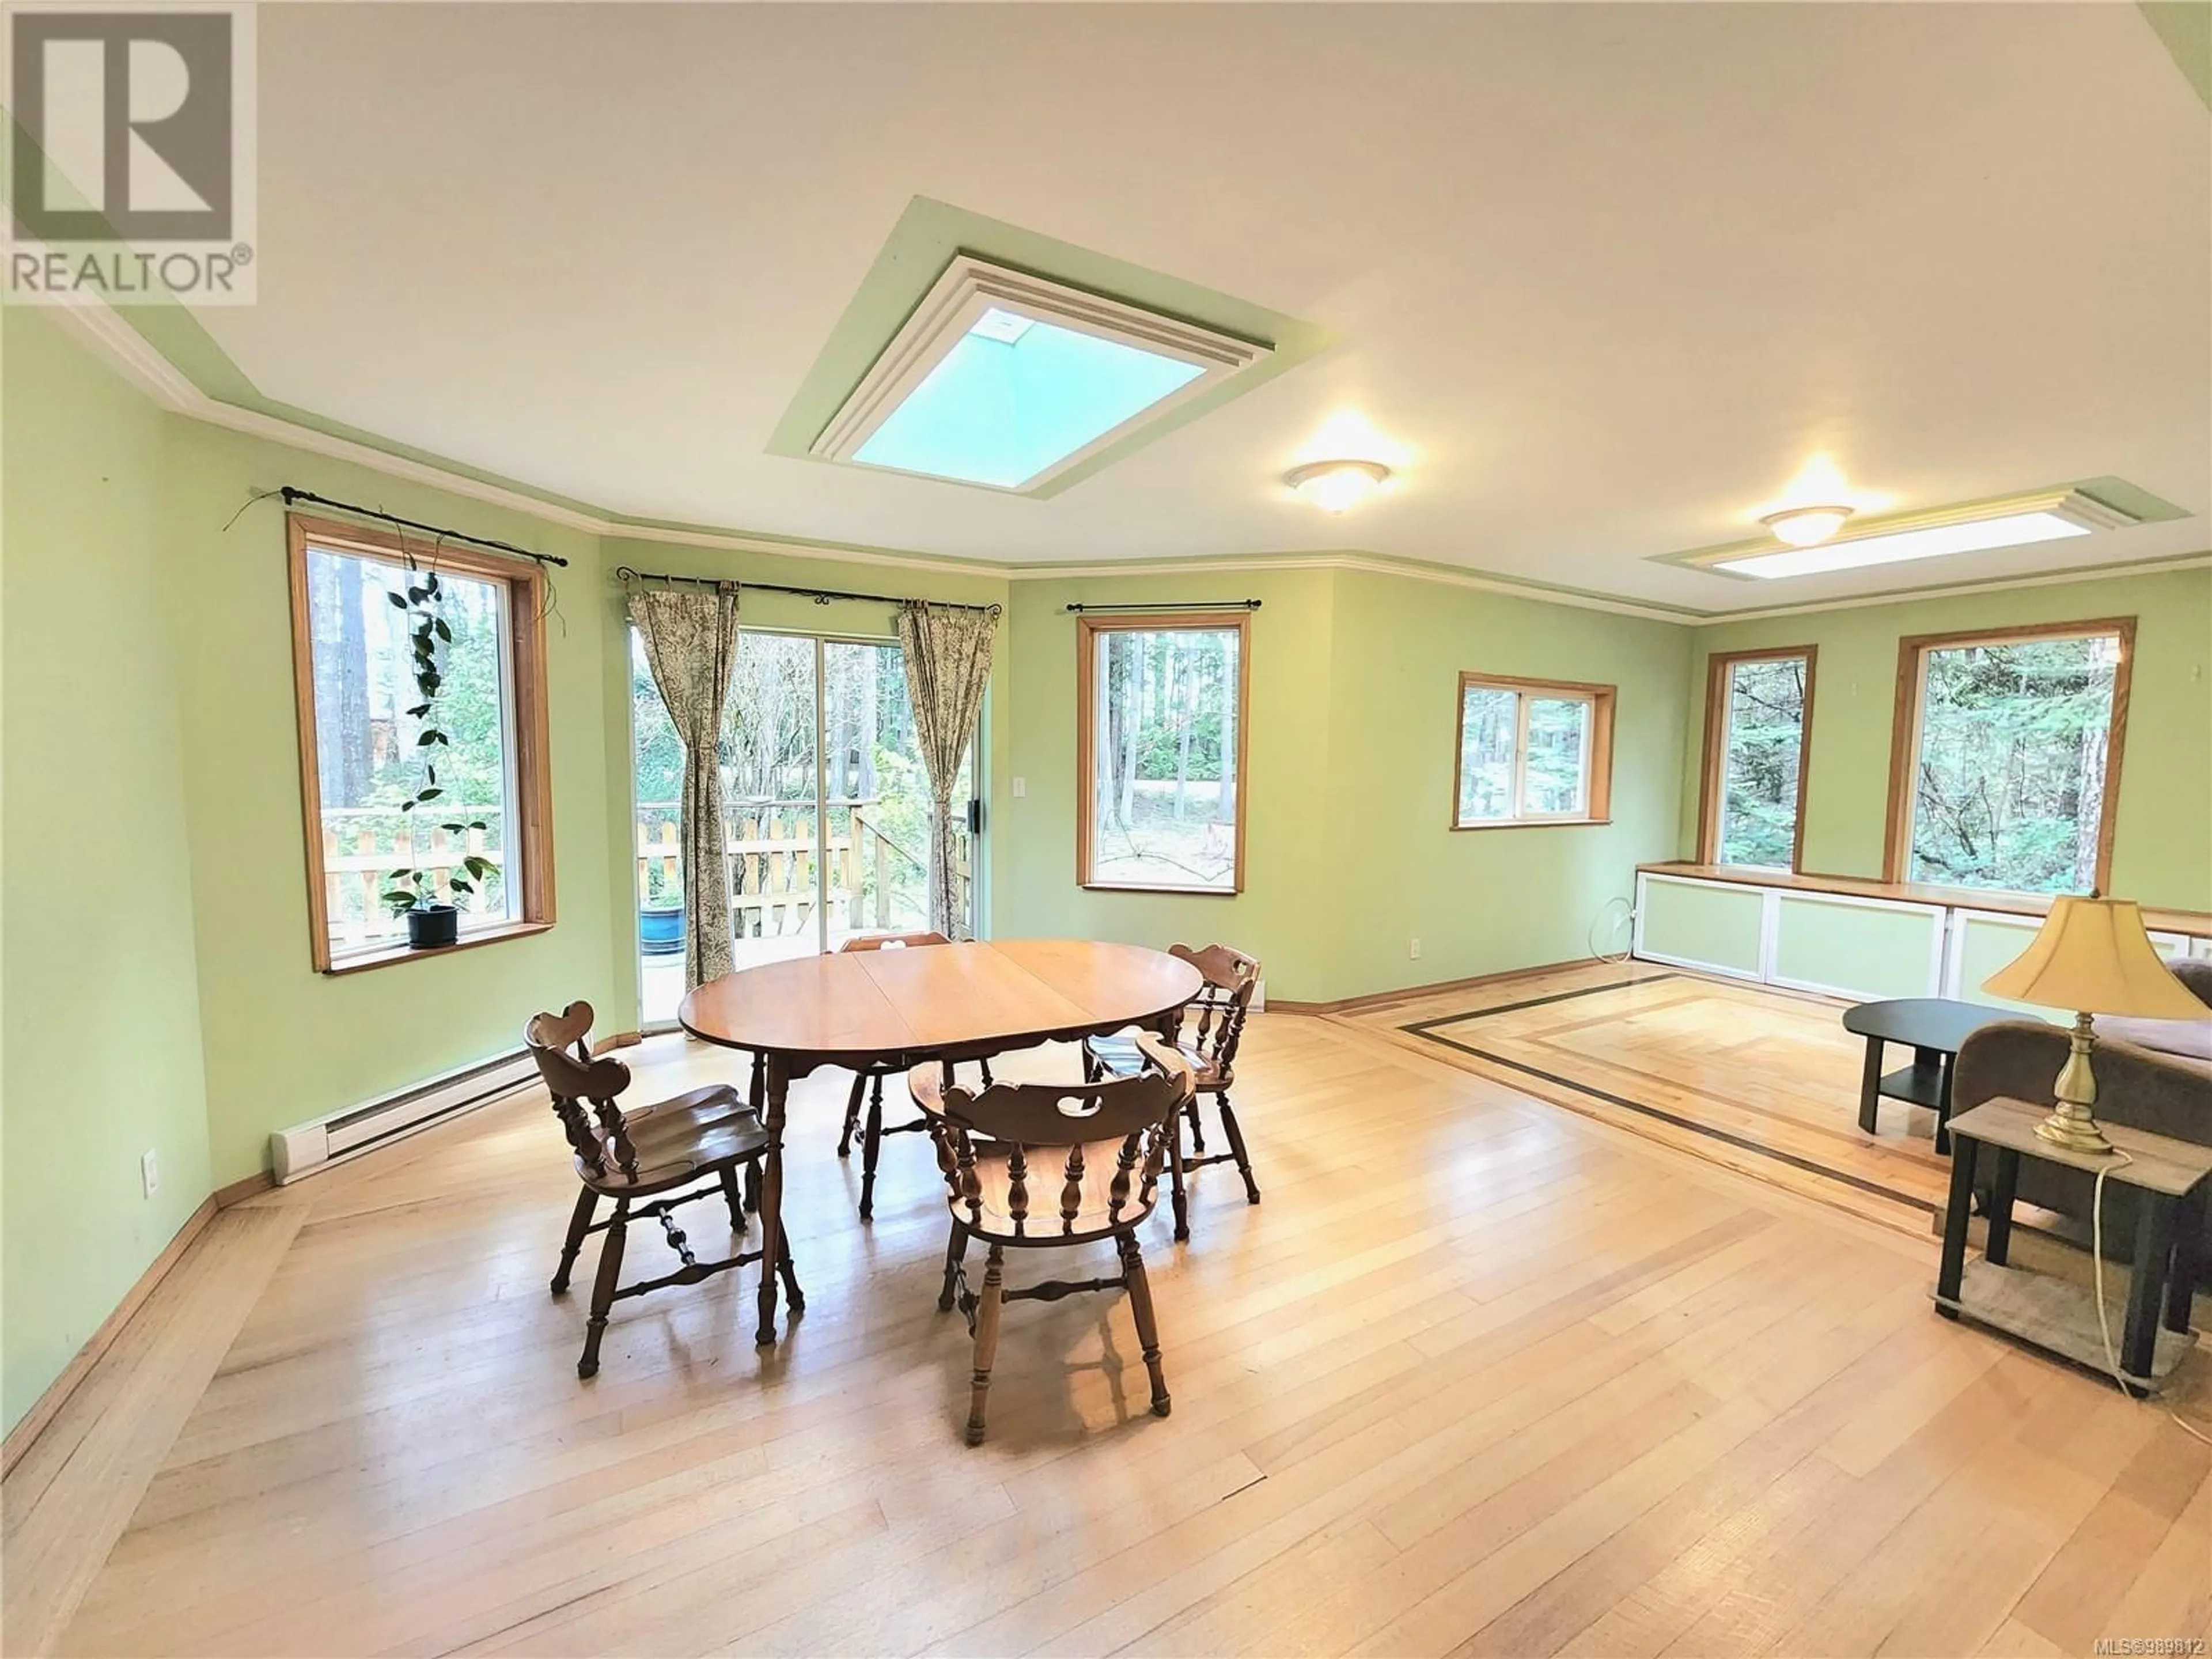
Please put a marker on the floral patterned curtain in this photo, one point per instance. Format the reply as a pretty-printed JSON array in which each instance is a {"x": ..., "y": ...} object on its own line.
[
  {"x": 948, "y": 662},
  {"x": 690, "y": 639}
]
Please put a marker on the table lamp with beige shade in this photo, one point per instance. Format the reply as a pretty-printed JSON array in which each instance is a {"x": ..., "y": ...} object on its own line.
[{"x": 2093, "y": 956}]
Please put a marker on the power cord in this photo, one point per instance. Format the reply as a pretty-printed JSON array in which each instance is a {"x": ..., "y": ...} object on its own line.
[
  {"x": 1589, "y": 936},
  {"x": 2097, "y": 1277}
]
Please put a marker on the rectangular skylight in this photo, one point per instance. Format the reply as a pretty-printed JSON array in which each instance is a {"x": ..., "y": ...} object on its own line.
[
  {"x": 2016, "y": 530},
  {"x": 2018, "y": 522},
  {"x": 1006, "y": 380}
]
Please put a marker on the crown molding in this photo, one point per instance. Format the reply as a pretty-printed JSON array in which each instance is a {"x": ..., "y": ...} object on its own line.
[
  {"x": 152, "y": 374},
  {"x": 1371, "y": 564}
]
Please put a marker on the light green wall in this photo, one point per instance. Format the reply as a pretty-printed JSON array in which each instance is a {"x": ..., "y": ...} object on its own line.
[
  {"x": 100, "y": 1011},
  {"x": 1480, "y": 901},
  {"x": 1860, "y": 950},
  {"x": 1349, "y": 856},
  {"x": 2162, "y": 846},
  {"x": 284, "y": 1043},
  {"x": 1281, "y": 915},
  {"x": 1707, "y": 922},
  {"x": 1988, "y": 943}
]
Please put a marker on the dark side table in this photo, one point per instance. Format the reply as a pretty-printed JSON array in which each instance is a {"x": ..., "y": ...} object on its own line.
[
  {"x": 2172, "y": 1183},
  {"x": 1935, "y": 1028}
]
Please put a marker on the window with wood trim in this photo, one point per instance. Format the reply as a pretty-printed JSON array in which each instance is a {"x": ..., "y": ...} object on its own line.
[
  {"x": 364, "y": 754},
  {"x": 2005, "y": 756},
  {"x": 1160, "y": 751},
  {"x": 1531, "y": 752},
  {"x": 1758, "y": 733}
]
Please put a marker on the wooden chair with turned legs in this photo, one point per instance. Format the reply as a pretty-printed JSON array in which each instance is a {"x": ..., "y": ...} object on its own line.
[
  {"x": 1044, "y": 1166},
  {"x": 699, "y": 1140},
  {"x": 1220, "y": 1008},
  {"x": 870, "y": 1082}
]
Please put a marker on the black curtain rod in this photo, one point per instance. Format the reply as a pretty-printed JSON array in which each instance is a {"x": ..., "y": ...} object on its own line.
[
  {"x": 819, "y": 595},
  {"x": 1167, "y": 604},
  {"x": 293, "y": 497}
]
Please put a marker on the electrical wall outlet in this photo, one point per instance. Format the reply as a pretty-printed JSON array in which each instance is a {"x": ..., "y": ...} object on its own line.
[
  {"x": 150, "y": 1172},
  {"x": 1021, "y": 787},
  {"x": 1413, "y": 950}
]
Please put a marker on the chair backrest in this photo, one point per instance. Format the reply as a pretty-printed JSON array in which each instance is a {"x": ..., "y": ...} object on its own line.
[
  {"x": 1021, "y": 1118},
  {"x": 561, "y": 1045},
  {"x": 892, "y": 941},
  {"x": 1223, "y": 1001}
]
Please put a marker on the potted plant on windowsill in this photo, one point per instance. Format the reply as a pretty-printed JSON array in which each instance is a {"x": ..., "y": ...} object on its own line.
[{"x": 410, "y": 891}]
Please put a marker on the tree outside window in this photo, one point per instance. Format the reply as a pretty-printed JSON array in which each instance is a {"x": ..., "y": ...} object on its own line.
[
  {"x": 1162, "y": 738},
  {"x": 1532, "y": 751},
  {"x": 2014, "y": 757},
  {"x": 1761, "y": 758}
]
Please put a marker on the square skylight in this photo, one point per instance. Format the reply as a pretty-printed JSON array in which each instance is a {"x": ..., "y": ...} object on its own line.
[{"x": 1005, "y": 381}]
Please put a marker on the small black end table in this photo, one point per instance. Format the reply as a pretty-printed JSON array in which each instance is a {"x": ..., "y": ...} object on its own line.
[
  {"x": 1935, "y": 1028},
  {"x": 2172, "y": 1183}
]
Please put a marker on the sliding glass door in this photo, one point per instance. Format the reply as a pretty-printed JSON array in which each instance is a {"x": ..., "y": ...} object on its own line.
[{"x": 826, "y": 806}]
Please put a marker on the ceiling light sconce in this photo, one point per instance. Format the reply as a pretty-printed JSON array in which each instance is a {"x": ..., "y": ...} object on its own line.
[
  {"x": 1337, "y": 486},
  {"x": 1806, "y": 526}
]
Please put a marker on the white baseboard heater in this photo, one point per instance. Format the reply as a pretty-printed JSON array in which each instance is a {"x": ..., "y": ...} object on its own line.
[{"x": 306, "y": 1147}]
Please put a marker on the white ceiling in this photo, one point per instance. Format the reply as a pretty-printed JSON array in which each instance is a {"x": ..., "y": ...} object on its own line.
[{"x": 1605, "y": 276}]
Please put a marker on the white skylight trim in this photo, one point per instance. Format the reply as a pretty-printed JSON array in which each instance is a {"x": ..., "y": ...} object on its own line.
[
  {"x": 2019, "y": 522},
  {"x": 995, "y": 303}
]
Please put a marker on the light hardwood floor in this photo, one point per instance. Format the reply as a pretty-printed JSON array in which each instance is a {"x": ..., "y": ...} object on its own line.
[
  {"x": 1478, "y": 1375},
  {"x": 1764, "y": 1082}
]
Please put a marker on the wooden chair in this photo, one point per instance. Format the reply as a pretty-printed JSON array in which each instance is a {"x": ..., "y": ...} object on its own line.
[
  {"x": 706, "y": 1135},
  {"x": 870, "y": 1081},
  {"x": 1221, "y": 1005},
  {"x": 1107, "y": 1138}
]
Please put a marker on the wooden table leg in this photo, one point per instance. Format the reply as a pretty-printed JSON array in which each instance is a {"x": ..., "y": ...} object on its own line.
[
  {"x": 1870, "y": 1086},
  {"x": 1953, "y": 1269},
  {"x": 2153, "y": 1244},
  {"x": 2004, "y": 1179},
  {"x": 771, "y": 1196},
  {"x": 2188, "y": 1257}
]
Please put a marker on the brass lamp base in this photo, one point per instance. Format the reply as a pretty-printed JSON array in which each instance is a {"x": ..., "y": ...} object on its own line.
[
  {"x": 2078, "y": 1133},
  {"x": 2072, "y": 1124}
]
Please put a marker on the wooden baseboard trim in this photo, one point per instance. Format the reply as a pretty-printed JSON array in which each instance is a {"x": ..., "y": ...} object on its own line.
[
  {"x": 1414, "y": 993},
  {"x": 34, "y": 1421},
  {"x": 619, "y": 1040},
  {"x": 238, "y": 1192}
]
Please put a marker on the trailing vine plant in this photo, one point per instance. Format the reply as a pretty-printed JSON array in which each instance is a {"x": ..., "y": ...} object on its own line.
[{"x": 409, "y": 888}]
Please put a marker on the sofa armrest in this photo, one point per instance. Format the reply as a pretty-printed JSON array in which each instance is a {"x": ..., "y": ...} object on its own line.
[
  {"x": 2196, "y": 974},
  {"x": 2138, "y": 1087}
]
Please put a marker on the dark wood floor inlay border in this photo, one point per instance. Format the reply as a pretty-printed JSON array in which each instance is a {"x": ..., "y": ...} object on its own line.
[{"x": 1426, "y": 1031}]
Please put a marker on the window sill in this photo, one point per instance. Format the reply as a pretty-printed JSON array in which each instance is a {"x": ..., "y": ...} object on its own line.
[
  {"x": 363, "y": 961},
  {"x": 1534, "y": 823},
  {"x": 1991, "y": 900},
  {"x": 1147, "y": 887}
]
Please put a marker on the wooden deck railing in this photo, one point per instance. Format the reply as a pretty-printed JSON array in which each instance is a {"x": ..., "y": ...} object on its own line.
[
  {"x": 363, "y": 848},
  {"x": 774, "y": 851},
  {"x": 772, "y": 848}
]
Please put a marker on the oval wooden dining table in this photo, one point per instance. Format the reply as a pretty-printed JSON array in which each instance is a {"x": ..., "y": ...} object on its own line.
[{"x": 943, "y": 1002}]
